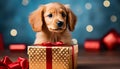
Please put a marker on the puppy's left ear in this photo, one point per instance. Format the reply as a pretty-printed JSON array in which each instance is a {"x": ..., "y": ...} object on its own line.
[{"x": 71, "y": 18}]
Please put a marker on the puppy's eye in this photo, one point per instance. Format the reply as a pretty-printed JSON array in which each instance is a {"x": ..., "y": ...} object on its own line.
[
  {"x": 63, "y": 14},
  {"x": 50, "y": 15}
]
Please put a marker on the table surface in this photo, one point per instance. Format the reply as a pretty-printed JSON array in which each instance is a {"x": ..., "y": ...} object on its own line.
[{"x": 86, "y": 60}]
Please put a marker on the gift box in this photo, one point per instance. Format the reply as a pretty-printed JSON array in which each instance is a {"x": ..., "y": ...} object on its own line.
[
  {"x": 111, "y": 39},
  {"x": 53, "y": 57}
]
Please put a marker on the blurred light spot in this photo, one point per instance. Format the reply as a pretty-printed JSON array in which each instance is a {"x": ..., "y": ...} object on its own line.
[
  {"x": 88, "y": 6},
  {"x": 74, "y": 41},
  {"x": 92, "y": 45},
  {"x": 106, "y": 3},
  {"x": 25, "y": 2},
  {"x": 79, "y": 10},
  {"x": 113, "y": 18},
  {"x": 17, "y": 47},
  {"x": 89, "y": 28},
  {"x": 13, "y": 32}
]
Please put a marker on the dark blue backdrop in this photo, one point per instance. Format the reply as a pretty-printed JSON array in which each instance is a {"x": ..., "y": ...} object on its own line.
[{"x": 14, "y": 15}]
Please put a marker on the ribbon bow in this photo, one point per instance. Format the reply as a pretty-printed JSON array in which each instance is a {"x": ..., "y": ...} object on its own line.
[
  {"x": 59, "y": 43},
  {"x": 21, "y": 63}
]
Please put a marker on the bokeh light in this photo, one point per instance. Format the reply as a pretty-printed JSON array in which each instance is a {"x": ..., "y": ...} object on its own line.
[
  {"x": 106, "y": 3},
  {"x": 74, "y": 41},
  {"x": 25, "y": 2},
  {"x": 89, "y": 28},
  {"x": 13, "y": 32},
  {"x": 88, "y": 6},
  {"x": 113, "y": 18}
]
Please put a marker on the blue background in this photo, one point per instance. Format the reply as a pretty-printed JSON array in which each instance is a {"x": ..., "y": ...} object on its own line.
[{"x": 14, "y": 15}]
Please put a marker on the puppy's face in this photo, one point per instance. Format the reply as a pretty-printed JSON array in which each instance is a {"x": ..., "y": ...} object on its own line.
[{"x": 55, "y": 17}]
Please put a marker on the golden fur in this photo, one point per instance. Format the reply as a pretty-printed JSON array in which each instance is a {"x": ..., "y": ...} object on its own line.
[{"x": 46, "y": 27}]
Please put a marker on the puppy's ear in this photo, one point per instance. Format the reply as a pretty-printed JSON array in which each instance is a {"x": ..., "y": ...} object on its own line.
[
  {"x": 71, "y": 18},
  {"x": 36, "y": 19}
]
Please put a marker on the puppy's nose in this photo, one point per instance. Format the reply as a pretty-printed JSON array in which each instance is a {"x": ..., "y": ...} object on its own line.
[{"x": 60, "y": 23}]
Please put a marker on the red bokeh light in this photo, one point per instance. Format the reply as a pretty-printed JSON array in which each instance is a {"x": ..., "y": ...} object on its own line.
[
  {"x": 93, "y": 45},
  {"x": 17, "y": 47}
]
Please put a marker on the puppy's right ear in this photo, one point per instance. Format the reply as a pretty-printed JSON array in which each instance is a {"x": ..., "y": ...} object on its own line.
[
  {"x": 36, "y": 19},
  {"x": 71, "y": 18}
]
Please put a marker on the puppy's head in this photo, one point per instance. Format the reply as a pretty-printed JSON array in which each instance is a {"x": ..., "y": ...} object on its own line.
[{"x": 57, "y": 17}]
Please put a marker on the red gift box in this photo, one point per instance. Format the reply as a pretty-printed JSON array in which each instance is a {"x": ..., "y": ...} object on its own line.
[{"x": 111, "y": 39}]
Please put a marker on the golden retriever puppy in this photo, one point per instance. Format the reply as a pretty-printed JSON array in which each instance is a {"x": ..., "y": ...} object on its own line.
[{"x": 53, "y": 22}]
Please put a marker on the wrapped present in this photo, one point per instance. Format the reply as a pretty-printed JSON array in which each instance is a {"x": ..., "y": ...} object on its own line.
[
  {"x": 111, "y": 39},
  {"x": 53, "y": 57}
]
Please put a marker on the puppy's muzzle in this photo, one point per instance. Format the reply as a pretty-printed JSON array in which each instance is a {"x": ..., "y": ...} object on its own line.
[{"x": 60, "y": 24}]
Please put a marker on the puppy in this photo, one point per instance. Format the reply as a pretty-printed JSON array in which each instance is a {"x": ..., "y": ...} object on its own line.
[{"x": 53, "y": 22}]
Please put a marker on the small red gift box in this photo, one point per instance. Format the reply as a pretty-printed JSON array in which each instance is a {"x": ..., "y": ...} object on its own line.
[
  {"x": 52, "y": 57},
  {"x": 111, "y": 39}
]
